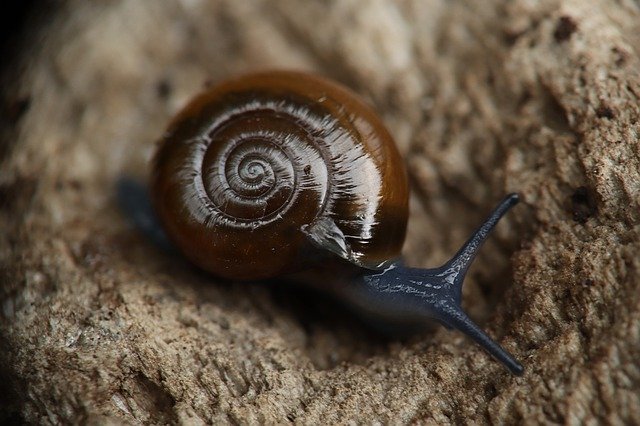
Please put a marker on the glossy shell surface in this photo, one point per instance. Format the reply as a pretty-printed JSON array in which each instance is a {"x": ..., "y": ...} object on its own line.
[{"x": 268, "y": 173}]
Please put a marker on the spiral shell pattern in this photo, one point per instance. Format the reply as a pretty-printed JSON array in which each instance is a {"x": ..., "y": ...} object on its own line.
[
  {"x": 255, "y": 164},
  {"x": 255, "y": 174}
]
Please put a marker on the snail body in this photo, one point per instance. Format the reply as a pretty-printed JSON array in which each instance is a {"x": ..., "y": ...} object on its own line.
[{"x": 286, "y": 173}]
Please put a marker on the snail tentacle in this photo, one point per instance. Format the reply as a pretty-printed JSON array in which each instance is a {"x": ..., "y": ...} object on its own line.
[{"x": 416, "y": 294}]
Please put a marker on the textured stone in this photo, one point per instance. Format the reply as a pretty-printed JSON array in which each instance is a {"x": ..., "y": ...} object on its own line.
[{"x": 98, "y": 325}]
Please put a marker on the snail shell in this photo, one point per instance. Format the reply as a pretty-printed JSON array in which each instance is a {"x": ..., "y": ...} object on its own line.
[{"x": 267, "y": 173}]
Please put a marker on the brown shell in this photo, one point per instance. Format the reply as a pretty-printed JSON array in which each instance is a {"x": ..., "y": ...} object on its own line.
[{"x": 266, "y": 174}]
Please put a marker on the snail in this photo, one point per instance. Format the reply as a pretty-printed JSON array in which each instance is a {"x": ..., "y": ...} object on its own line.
[{"x": 289, "y": 174}]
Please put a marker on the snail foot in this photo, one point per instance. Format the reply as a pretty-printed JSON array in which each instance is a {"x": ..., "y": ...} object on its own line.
[{"x": 134, "y": 201}]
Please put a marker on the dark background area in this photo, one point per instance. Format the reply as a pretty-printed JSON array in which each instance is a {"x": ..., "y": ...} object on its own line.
[
  {"x": 20, "y": 23},
  {"x": 14, "y": 18}
]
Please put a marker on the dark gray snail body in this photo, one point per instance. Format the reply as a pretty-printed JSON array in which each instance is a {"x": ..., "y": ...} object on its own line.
[{"x": 287, "y": 173}]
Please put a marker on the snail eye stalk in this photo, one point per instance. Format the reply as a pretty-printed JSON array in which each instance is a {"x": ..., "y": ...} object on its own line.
[{"x": 436, "y": 293}]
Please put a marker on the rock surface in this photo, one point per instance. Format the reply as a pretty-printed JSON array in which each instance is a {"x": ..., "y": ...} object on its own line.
[{"x": 98, "y": 326}]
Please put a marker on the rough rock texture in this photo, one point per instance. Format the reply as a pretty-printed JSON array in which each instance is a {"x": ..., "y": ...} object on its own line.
[{"x": 543, "y": 98}]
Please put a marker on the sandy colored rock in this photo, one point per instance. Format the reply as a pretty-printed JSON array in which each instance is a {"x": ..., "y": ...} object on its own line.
[{"x": 99, "y": 326}]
